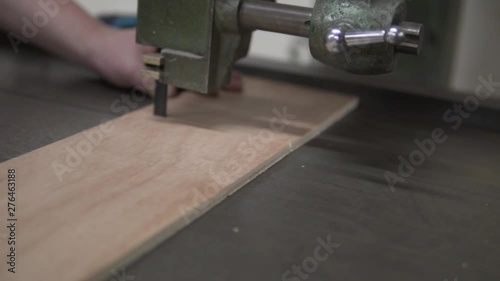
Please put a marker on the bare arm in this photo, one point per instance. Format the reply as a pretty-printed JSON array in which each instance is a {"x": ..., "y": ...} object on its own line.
[{"x": 63, "y": 28}]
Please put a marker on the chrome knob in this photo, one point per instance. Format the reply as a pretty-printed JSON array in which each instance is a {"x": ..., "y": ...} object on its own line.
[{"x": 407, "y": 38}]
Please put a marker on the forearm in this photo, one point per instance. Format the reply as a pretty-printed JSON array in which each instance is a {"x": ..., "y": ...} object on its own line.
[{"x": 58, "y": 26}]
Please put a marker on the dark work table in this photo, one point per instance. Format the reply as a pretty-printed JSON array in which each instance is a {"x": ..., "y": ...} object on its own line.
[{"x": 441, "y": 223}]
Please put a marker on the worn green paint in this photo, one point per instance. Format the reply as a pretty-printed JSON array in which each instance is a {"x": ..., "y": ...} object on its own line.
[
  {"x": 200, "y": 40},
  {"x": 354, "y": 15}
]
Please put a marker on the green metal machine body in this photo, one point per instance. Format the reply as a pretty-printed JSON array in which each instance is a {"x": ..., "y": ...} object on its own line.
[{"x": 200, "y": 40}]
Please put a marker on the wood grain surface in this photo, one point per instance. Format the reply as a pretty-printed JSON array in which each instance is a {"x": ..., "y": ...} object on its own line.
[{"x": 97, "y": 200}]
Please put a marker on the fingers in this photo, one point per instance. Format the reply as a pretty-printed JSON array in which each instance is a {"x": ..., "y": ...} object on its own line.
[
  {"x": 173, "y": 91},
  {"x": 235, "y": 85}
]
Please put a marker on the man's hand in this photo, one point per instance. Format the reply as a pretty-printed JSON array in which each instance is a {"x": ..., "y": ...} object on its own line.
[
  {"x": 116, "y": 56},
  {"x": 73, "y": 34}
]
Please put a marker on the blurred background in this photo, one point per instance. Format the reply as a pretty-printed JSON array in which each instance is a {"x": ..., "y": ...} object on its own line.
[{"x": 462, "y": 40}]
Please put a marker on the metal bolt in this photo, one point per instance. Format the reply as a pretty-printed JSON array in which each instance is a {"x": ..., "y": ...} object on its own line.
[{"x": 407, "y": 35}]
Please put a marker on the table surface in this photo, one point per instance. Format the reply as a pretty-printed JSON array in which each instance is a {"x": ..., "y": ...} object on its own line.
[{"x": 441, "y": 223}]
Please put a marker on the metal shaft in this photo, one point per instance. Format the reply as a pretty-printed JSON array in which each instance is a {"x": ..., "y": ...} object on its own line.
[
  {"x": 364, "y": 38},
  {"x": 414, "y": 38},
  {"x": 281, "y": 18},
  {"x": 406, "y": 38},
  {"x": 160, "y": 99}
]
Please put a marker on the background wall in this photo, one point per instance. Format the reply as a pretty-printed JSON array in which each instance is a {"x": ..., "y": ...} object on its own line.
[
  {"x": 478, "y": 44},
  {"x": 109, "y": 6},
  {"x": 475, "y": 52}
]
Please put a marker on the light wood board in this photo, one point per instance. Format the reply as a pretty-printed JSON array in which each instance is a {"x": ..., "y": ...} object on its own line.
[{"x": 91, "y": 203}]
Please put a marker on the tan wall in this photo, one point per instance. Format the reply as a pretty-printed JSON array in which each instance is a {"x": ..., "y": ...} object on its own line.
[{"x": 478, "y": 46}]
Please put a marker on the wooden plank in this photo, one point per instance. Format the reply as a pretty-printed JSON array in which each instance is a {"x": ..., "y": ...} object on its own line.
[
  {"x": 148, "y": 72},
  {"x": 153, "y": 59},
  {"x": 100, "y": 199}
]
